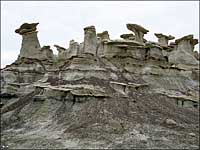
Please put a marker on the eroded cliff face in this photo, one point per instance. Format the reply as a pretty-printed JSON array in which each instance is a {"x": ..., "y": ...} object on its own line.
[{"x": 102, "y": 93}]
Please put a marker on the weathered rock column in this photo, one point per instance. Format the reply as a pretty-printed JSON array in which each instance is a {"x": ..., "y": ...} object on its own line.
[
  {"x": 186, "y": 43},
  {"x": 184, "y": 51},
  {"x": 48, "y": 52},
  {"x": 73, "y": 49},
  {"x": 138, "y": 30},
  {"x": 163, "y": 39},
  {"x": 102, "y": 38},
  {"x": 30, "y": 44},
  {"x": 62, "y": 52},
  {"x": 90, "y": 40},
  {"x": 104, "y": 35}
]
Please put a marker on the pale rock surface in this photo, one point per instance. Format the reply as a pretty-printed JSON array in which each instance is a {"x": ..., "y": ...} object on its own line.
[
  {"x": 101, "y": 94},
  {"x": 138, "y": 30},
  {"x": 163, "y": 39},
  {"x": 155, "y": 52},
  {"x": 90, "y": 40},
  {"x": 104, "y": 35},
  {"x": 30, "y": 47},
  {"x": 62, "y": 52},
  {"x": 48, "y": 52},
  {"x": 184, "y": 51},
  {"x": 170, "y": 122},
  {"x": 129, "y": 36},
  {"x": 73, "y": 49}
]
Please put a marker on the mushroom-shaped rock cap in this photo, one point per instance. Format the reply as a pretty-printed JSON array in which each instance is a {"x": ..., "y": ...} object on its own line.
[
  {"x": 72, "y": 41},
  {"x": 89, "y": 28},
  {"x": 26, "y": 28},
  {"x": 59, "y": 48},
  {"x": 168, "y": 37},
  {"x": 137, "y": 27},
  {"x": 103, "y": 35},
  {"x": 194, "y": 41},
  {"x": 127, "y": 36},
  {"x": 187, "y": 37},
  {"x": 45, "y": 47}
]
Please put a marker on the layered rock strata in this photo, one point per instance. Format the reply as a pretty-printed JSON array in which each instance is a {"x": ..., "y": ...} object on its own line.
[{"x": 102, "y": 89}]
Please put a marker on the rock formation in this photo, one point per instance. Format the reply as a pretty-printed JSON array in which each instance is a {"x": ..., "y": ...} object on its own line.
[
  {"x": 104, "y": 35},
  {"x": 73, "y": 49},
  {"x": 138, "y": 30},
  {"x": 47, "y": 51},
  {"x": 184, "y": 51},
  {"x": 30, "y": 47},
  {"x": 102, "y": 93},
  {"x": 163, "y": 39},
  {"x": 62, "y": 52},
  {"x": 186, "y": 43},
  {"x": 129, "y": 36},
  {"x": 27, "y": 28},
  {"x": 90, "y": 40},
  {"x": 196, "y": 55}
]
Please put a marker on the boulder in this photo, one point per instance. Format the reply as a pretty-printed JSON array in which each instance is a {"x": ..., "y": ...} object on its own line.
[{"x": 170, "y": 122}]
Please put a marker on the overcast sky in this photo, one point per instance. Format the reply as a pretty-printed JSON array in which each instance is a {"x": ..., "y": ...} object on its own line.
[{"x": 62, "y": 21}]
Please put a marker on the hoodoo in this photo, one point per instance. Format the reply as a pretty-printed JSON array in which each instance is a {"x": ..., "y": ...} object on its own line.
[
  {"x": 163, "y": 39},
  {"x": 30, "y": 47},
  {"x": 90, "y": 40},
  {"x": 127, "y": 93},
  {"x": 138, "y": 30}
]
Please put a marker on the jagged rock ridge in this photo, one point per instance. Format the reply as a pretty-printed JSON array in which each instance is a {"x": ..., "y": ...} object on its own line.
[{"x": 104, "y": 91}]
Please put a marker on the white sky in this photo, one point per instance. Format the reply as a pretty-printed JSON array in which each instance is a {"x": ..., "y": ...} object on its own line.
[{"x": 64, "y": 20}]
